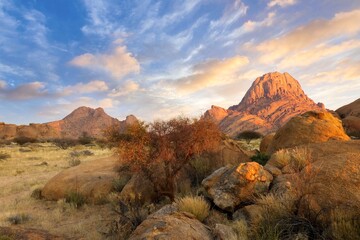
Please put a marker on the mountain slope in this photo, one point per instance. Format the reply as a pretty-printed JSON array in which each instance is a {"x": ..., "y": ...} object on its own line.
[
  {"x": 83, "y": 120},
  {"x": 270, "y": 102}
]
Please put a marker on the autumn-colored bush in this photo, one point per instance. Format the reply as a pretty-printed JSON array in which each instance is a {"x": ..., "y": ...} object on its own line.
[{"x": 161, "y": 149}]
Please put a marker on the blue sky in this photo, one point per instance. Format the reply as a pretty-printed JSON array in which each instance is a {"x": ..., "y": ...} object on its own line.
[{"x": 159, "y": 59}]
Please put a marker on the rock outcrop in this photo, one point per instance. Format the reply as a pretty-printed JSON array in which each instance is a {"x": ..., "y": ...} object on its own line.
[
  {"x": 329, "y": 183},
  {"x": 270, "y": 102},
  {"x": 310, "y": 127},
  {"x": 350, "y": 115},
  {"x": 83, "y": 120},
  {"x": 171, "y": 226},
  {"x": 230, "y": 186},
  {"x": 26, "y": 234},
  {"x": 93, "y": 180}
]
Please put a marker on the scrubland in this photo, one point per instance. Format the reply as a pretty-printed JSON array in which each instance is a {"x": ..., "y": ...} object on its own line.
[{"x": 23, "y": 169}]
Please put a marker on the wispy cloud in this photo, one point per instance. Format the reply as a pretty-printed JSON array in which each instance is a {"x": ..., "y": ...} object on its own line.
[
  {"x": 90, "y": 87},
  {"x": 32, "y": 90},
  {"x": 344, "y": 24},
  {"x": 118, "y": 63},
  {"x": 126, "y": 88},
  {"x": 281, "y": 3},
  {"x": 210, "y": 73}
]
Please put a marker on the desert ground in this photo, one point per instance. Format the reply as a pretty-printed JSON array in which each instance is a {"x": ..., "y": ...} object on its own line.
[{"x": 28, "y": 168}]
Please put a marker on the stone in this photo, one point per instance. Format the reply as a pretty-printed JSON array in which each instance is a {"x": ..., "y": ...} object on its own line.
[
  {"x": 250, "y": 213},
  {"x": 26, "y": 234},
  {"x": 265, "y": 142},
  {"x": 172, "y": 226},
  {"x": 310, "y": 127},
  {"x": 93, "y": 180},
  {"x": 223, "y": 232},
  {"x": 139, "y": 188},
  {"x": 230, "y": 186}
]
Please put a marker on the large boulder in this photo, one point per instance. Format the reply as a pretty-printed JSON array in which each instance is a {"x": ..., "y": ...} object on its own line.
[
  {"x": 330, "y": 182},
  {"x": 171, "y": 225},
  {"x": 350, "y": 115},
  {"x": 93, "y": 180},
  {"x": 230, "y": 186},
  {"x": 265, "y": 142},
  {"x": 310, "y": 127},
  {"x": 138, "y": 188},
  {"x": 26, "y": 234}
]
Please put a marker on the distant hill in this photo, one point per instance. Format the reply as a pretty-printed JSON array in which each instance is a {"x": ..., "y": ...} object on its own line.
[
  {"x": 83, "y": 120},
  {"x": 270, "y": 102}
]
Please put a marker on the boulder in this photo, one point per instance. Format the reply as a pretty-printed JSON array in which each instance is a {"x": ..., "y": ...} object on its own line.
[
  {"x": 250, "y": 213},
  {"x": 310, "y": 127},
  {"x": 26, "y": 234},
  {"x": 330, "y": 182},
  {"x": 265, "y": 142},
  {"x": 230, "y": 186},
  {"x": 139, "y": 188},
  {"x": 93, "y": 180},
  {"x": 171, "y": 226},
  {"x": 223, "y": 232}
]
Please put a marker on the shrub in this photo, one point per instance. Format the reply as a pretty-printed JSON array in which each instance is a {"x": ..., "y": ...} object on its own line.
[
  {"x": 74, "y": 162},
  {"x": 300, "y": 158},
  {"x": 23, "y": 140},
  {"x": 4, "y": 156},
  {"x": 277, "y": 219},
  {"x": 202, "y": 168},
  {"x": 249, "y": 135},
  {"x": 25, "y": 150},
  {"x": 64, "y": 143},
  {"x": 87, "y": 153},
  {"x": 169, "y": 145},
  {"x": 85, "y": 139},
  {"x": 36, "y": 194},
  {"x": 344, "y": 224},
  {"x": 260, "y": 158},
  {"x": 240, "y": 227},
  {"x": 75, "y": 199},
  {"x": 18, "y": 219},
  {"x": 194, "y": 205},
  {"x": 120, "y": 182}
]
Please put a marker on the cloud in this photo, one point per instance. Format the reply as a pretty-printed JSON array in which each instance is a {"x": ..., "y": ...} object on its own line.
[
  {"x": 210, "y": 73},
  {"x": 281, "y": 3},
  {"x": 36, "y": 29},
  {"x": 118, "y": 63},
  {"x": 251, "y": 26},
  {"x": 90, "y": 87},
  {"x": 26, "y": 91},
  {"x": 231, "y": 15},
  {"x": 106, "y": 103},
  {"x": 127, "y": 88},
  {"x": 322, "y": 51},
  {"x": 344, "y": 24}
]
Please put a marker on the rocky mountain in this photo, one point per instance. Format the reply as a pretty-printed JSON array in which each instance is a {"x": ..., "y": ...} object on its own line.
[
  {"x": 270, "y": 102},
  {"x": 350, "y": 116},
  {"x": 83, "y": 120}
]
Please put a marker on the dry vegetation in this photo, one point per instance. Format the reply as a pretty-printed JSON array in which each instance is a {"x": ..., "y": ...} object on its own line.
[{"x": 25, "y": 170}]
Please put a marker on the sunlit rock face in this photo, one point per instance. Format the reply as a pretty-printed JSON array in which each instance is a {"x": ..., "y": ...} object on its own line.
[{"x": 271, "y": 101}]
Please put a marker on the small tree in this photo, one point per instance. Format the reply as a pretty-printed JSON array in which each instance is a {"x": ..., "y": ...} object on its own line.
[
  {"x": 249, "y": 135},
  {"x": 162, "y": 148}
]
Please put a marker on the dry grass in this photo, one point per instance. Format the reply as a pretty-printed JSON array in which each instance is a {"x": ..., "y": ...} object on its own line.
[
  {"x": 241, "y": 229},
  {"x": 23, "y": 173},
  {"x": 194, "y": 205}
]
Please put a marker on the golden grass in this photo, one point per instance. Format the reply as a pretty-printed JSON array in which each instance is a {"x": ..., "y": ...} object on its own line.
[
  {"x": 194, "y": 205},
  {"x": 25, "y": 172}
]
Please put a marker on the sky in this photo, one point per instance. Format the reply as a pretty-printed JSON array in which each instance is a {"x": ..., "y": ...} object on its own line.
[{"x": 158, "y": 59}]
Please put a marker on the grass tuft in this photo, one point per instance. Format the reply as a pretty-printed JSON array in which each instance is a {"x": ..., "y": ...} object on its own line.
[
  {"x": 194, "y": 205},
  {"x": 18, "y": 218},
  {"x": 75, "y": 199}
]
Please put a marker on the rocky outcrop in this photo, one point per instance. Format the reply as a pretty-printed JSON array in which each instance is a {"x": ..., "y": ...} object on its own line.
[
  {"x": 93, "y": 180},
  {"x": 265, "y": 142},
  {"x": 230, "y": 186},
  {"x": 350, "y": 115},
  {"x": 270, "y": 102},
  {"x": 82, "y": 121},
  {"x": 329, "y": 183},
  {"x": 171, "y": 226},
  {"x": 26, "y": 234},
  {"x": 310, "y": 127}
]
